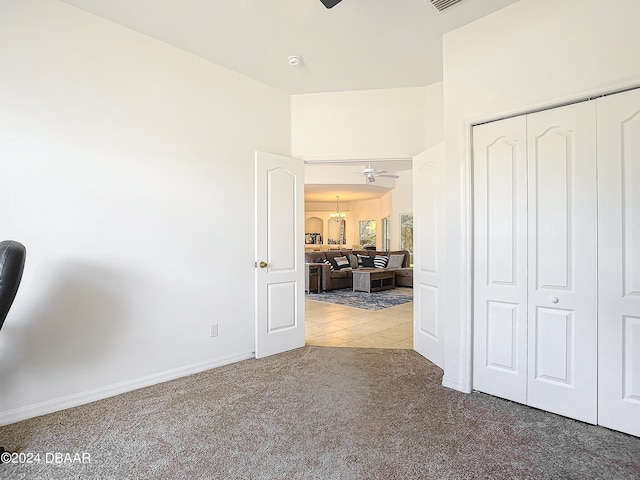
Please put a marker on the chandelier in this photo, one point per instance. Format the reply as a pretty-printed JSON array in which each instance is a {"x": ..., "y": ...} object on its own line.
[{"x": 337, "y": 216}]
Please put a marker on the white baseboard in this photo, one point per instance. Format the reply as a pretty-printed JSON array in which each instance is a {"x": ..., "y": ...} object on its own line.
[
  {"x": 455, "y": 385},
  {"x": 62, "y": 403}
]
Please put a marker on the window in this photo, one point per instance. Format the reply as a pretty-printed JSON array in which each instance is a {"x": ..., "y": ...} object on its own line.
[
  {"x": 367, "y": 233},
  {"x": 406, "y": 234},
  {"x": 386, "y": 233}
]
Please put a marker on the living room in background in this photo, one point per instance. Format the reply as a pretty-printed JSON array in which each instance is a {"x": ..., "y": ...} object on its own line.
[{"x": 367, "y": 233}]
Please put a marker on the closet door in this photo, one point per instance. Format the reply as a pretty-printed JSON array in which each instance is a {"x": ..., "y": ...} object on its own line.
[
  {"x": 619, "y": 262},
  {"x": 562, "y": 246},
  {"x": 500, "y": 259}
]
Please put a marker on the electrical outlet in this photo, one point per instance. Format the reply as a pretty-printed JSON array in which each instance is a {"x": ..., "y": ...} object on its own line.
[{"x": 213, "y": 330}]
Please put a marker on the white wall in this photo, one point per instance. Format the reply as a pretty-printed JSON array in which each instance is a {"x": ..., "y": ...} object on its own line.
[
  {"x": 532, "y": 54},
  {"x": 119, "y": 157},
  {"x": 389, "y": 123},
  {"x": 434, "y": 116}
]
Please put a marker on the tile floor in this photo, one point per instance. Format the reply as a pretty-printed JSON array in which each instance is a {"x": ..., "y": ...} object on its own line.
[{"x": 330, "y": 325}]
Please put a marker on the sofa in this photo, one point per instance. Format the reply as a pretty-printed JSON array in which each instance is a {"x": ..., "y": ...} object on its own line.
[{"x": 336, "y": 274}]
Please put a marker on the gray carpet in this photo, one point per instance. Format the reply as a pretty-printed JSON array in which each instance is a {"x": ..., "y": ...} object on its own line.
[
  {"x": 364, "y": 300},
  {"x": 318, "y": 413}
]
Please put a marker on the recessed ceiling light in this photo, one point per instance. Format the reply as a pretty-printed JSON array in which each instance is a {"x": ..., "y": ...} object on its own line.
[{"x": 295, "y": 60}]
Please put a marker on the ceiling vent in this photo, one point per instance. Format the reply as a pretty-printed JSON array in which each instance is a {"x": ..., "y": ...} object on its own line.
[{"x": 444, "y": 4}]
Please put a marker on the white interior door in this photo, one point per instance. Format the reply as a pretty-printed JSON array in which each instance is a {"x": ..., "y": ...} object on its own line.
[
  {"x": 428, "y": 205},
  {"x": 619, "y": 262},
  {"x": 562, "y": 267},
  {"x": 279, "y": 194},
  {"x": 500, "y": 258}
]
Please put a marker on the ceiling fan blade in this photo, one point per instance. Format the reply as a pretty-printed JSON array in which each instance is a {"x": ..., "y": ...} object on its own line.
[
  {"x": 330, "y": 3},
  {"x": 388, "y": 175}
]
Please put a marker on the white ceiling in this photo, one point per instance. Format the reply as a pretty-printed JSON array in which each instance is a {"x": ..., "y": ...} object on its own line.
[{"x": 356, "y": 45}]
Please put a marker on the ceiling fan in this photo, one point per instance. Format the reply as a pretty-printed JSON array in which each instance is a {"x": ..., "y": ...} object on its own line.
[
  {"x": 371, "y": 173},
  {"x": 330, "y": 3}
]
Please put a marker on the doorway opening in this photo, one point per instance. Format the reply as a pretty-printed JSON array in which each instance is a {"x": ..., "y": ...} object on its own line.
[{"x": 383, "y": 203}]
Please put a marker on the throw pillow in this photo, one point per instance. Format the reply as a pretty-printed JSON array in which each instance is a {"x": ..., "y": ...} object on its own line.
[
  {"x": 395, "y": 260},
  {"x": 327, "y": 262},
  {"x": 380, "y": 261},
  {"x": 367, "y": 262},
  {"x": 353, "y": 260},
  {"x": 359, "y": 259},
  {"x": 342, "y": 262}
]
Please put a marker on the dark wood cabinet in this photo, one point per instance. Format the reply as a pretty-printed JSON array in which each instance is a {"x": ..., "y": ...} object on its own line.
[{"x": 312, "y": 280}]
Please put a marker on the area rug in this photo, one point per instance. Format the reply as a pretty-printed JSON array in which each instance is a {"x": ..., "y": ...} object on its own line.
[{"x": 364, "y": 300}]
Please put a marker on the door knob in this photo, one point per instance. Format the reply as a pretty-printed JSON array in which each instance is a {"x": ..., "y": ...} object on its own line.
[
  {"x": 554, "y": 300},
  {"x": 263, "y": 264}
]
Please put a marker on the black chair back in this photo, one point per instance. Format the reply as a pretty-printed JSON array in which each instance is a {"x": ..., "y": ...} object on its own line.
[{"x": 12, "y": 256}]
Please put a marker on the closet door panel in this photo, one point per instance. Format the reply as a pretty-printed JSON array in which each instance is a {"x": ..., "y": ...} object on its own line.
[
  {"x": 500, "y": 282},
  {"x": 562, "y": 257},
  {"x": 552, "y": 168},
  {"x": 619, "y": 262}
]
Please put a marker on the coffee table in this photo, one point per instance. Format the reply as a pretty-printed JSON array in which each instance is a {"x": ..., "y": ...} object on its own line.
[{"x": 373, "y": 279}]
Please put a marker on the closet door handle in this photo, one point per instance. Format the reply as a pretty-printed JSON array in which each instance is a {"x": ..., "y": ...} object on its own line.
[{"x": 554, "y": 300}]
